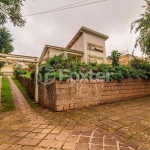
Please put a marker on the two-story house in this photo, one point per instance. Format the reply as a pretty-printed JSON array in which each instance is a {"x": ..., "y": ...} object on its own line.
[{"x": 87, "y": 45}]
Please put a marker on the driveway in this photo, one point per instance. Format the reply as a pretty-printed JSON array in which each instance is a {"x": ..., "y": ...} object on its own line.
[{"x": 118, "y": 126}]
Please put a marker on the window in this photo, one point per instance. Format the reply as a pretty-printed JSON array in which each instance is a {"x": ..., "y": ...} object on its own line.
[{"x": 95, "y": 47}]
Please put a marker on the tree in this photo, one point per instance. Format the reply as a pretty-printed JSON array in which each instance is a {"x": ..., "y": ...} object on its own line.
[
  {"x": 5, "y": 41},
  {"x": 143, "y": 27},
  {"x": 114, "y": 57},
  {"x": 31, "y": 66},
  {"x": 10, "y": 9}
]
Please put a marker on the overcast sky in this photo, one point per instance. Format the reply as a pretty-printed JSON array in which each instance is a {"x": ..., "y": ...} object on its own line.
[{"x": 112, "y": 18}]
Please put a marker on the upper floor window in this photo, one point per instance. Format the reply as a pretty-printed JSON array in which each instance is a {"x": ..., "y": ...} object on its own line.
[{"x": 95, "y": 47}]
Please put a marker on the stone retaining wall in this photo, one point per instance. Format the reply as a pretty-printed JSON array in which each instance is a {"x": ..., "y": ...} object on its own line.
[
  {"x": 46, "y": 94},
  {"x": 84, "y": 93}
]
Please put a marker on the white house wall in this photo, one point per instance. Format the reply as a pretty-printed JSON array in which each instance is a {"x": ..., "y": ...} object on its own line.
[
  {"x": 88, "y": 38},
  {"x": 54, "y": 52},
  {"x": 78, "y": 45}
]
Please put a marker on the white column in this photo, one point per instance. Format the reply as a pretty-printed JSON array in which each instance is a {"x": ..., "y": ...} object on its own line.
[{"x": 36, "y": 81}]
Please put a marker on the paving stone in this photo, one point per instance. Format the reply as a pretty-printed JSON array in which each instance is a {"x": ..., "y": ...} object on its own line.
[
  {"x": 111, "y": 142},
  {"x": 66, "y": 132},
  {"x": 87, "y": 133},
  {"x": 14, "y": 147},
  {"x": 51, "y": 127},
  {"x": 72, "y": 138},
  {"x": 83, "y": 139},
  {"x": 4, "y": 146},
  {"x": 24, "y": 141},
  {"x": 31, "y": 135},
  {"x": 29, "y": 129},
  {"x": 76, "y": 132},
  {"x": 37, "y": 148},
  {"x": 45, "y": 143},
  {"x": 40, "y": 136},
  {"x": 34, "y": 142},
  {"x": 97, "y": 134},
  {"x": 56, "y": 131},
  {"x": 22, "y": 134},
  {"x": 97, "y": 141},
  {"x": 46, "y": 131},
  {"x": 69, "y": 127},
  {"x": 43, "y": 126},
  {"x": 56, "y": 144},
  {"x": 125, "y": 148},
  {"x": 143, "y": 148},
  {"x": 69, "y": 146},
  {"x": 12, "y": 140},
  {"x": 51, "y": 136},
  {"x": 61, "y": 137},
  {"x": 96, "y": 147},
  {"x": 110, "y": 148},
  {"x": 82, "y": 146},
  {"x": 37, "y": 130},
  {"x": 115, "y": 125},
  {"x": 133, "y": 144},
  {"x": 26, "y": 147}
]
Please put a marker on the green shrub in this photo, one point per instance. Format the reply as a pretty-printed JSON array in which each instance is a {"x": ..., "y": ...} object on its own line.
[
  {"x": 19, "y": 71},
  {"x": 114, "y": 57},
  {"x": 1, "y": 73},
  {"x": 140, "y": 64},
  {"x": 77, "y": 70}
]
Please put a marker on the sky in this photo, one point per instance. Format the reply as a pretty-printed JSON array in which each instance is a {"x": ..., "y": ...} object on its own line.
[{"x": 111, "y": 17}]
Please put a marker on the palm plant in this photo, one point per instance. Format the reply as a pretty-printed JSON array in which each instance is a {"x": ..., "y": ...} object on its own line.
[
  {"x": 5, "y": 41},
  {"x": 114, "y": 57}
]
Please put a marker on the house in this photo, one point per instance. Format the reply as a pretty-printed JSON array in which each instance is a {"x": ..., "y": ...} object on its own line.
[
  {"x": 87, "y": 46},
  {"x": 123, "y": 60},
  {"x": 7, "y": 69}
]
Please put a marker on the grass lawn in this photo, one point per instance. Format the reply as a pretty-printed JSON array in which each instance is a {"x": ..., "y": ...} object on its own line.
[
  {"x": 6, "y": 96},
  {"x": 27, "y": 75},
  {"x": 25, "y": 93}
]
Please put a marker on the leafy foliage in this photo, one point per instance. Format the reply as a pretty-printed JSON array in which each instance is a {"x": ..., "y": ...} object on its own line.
[
  {"x": 19, "y": 71},
  {"x": 67, "y": 68},
  {"x": 31, "y": 66},
  {"x": 11, "y": 9},
  {"x": 5, "y": 41},
  {"x": 1, "y": 73},
  {"x": 115, "y": 55},
  {"x": 2, "y": 64},
  {"x": 143, "y": 26}
]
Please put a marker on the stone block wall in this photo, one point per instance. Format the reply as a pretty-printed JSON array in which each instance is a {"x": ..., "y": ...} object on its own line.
[
  {"x": 91, "y": 93},
  {"x": 46, "y": 93},
  {"x": 71, "y": 95}
]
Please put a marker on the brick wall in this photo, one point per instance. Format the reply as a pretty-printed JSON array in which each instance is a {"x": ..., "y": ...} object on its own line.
[{"x": 85, "y": 93}]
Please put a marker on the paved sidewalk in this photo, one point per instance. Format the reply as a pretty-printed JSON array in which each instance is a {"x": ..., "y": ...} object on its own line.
[
  {"x": 19, "y": 100},
  {"x": 119, "y": 126}
]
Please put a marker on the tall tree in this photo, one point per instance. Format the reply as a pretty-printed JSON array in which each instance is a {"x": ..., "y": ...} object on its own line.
[
  {"x": 142, "y": 26},
  {"x": 10, "y": 9},
  {"x": 114, "y": 57},
  {"x": 5, "y": 41}
]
